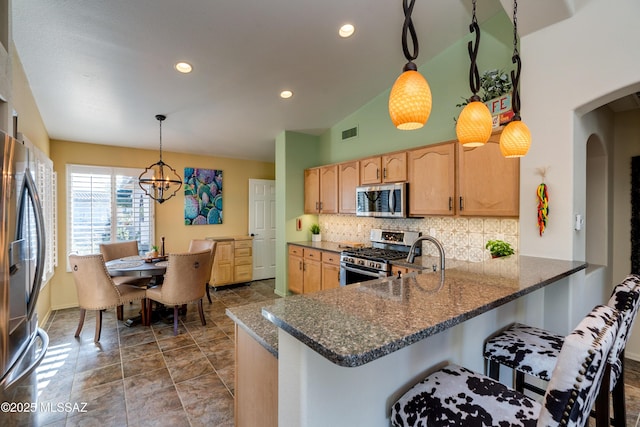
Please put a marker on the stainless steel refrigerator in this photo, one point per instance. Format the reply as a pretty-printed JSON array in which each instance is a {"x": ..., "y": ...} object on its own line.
[{"x": 22, "y": 256}]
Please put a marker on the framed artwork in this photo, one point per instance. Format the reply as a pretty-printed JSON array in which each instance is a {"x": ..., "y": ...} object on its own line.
[{"x": 202, "y": 196}]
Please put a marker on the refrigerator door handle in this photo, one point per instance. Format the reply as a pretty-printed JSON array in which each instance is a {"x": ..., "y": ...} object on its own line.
[
  {"x": 13, "y": 376},
  {"x": 32, "y": 192}
]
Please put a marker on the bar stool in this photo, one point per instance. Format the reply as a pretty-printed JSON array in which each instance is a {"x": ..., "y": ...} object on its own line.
[
  {"x": 534, "y": 351},
  {"x": 456, "y": 396}
]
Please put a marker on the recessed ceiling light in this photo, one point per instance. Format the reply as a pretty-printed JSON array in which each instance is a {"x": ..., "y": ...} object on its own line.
[
  {"x": 346, "y": 30},
  {"x": 286, "y": 94},
  {"x": 184, "y": 67}
]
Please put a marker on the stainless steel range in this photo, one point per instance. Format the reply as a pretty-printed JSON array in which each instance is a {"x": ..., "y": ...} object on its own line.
[{"x": 358, "y": 265}]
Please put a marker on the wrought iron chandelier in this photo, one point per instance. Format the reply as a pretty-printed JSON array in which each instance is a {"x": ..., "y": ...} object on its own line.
[
  {"x": 160, "y": 181},
  {"x": 410, "y": 97},
  {"x": 474, "y": 124}
]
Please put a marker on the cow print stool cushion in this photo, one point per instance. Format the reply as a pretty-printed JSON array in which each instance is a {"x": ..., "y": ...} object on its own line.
[
  {"x": 456, "y": 396},
  {"x": 528, "y": 349}
]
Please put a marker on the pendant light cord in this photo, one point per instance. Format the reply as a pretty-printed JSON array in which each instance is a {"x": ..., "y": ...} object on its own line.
[
  {"x": 474, "y": 75},
  {"x": 515, "y": 75},
  {"x": 409, "y": 30}
]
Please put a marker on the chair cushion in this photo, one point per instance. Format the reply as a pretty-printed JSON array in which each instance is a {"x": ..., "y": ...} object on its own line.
[
  {"x": 527, "y": 349},
  {"x": 131, "y": 280},
  {"x": 456, "y": 396},
  {"x": 130, "y": 293}
]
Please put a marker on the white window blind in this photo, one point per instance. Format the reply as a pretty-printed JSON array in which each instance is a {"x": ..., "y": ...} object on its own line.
[
  {"x": 106, "y": 205},
  {"x": 46, "y": 183}
]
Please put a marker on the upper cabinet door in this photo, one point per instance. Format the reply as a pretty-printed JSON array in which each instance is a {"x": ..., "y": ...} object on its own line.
[
  {"x": 432, "y": 180},
  {"x": 348, "y": 180},
  {"x": 311, "y": 190},
  {"x": 329, "y": 189},
  {"x": 488, "y": 183},
  {"x": 394, "y": 167},
  {"x": 370, "y": 171}
]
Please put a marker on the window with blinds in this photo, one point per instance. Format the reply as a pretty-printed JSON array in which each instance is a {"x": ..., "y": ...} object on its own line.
[{"x": 106, "y": 205}]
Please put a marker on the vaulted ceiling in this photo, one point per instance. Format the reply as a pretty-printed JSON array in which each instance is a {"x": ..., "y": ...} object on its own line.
[{"x": 101, "y": 70}]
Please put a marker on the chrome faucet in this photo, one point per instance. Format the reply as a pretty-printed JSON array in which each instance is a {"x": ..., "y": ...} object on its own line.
[{"x": 411, "y": 257}]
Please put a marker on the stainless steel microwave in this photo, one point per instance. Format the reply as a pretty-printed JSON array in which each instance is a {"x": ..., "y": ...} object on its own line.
[{"x": 386, "y": 200}]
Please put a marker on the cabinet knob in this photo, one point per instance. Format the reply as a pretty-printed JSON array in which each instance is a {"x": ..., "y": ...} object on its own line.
[
  {"x": 461, "y": 204},
  {"x": 450, "y": 203}
]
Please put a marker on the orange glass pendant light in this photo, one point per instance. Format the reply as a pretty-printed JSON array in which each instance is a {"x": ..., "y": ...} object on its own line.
[
  {"x": 474, "y": 125},
  {"x": 410, "y": 97},
  {"x": 516, "y": 137}
]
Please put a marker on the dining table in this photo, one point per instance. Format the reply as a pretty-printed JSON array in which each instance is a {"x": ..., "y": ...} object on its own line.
[{"x": 139, "y": 267}]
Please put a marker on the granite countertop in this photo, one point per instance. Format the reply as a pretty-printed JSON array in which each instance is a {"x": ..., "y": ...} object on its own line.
[
  {"x": 356, "y": 324},
  {"x": 249, "y": 317},
  {"x": 325, "y": 246}
]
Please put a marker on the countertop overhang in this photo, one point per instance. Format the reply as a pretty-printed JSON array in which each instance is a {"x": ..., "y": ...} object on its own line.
[{"x": 356, "y": 324}]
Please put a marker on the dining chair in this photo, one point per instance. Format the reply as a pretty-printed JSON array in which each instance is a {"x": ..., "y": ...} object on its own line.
[
  {"x": 183, "y": 283},
  {"x": 117, "y": 250},
  {"x": 456, "y": 396},
  {"x": 97, "y": 291},
  {"x": 534, "y": 352},
  {"x": 198, "y": 245}
]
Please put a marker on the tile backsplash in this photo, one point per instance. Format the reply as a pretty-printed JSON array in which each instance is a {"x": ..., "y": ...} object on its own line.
[{"x": 463, "y": 238}]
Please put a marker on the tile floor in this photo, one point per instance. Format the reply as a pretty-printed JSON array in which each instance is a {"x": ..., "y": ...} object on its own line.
[{"x": 141, "y": 376}]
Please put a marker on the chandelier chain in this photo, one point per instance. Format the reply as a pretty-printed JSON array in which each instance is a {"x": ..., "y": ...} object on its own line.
[
  {"x": 160, "y": 118},
  {"x": 474, "y": 75},
  {"x": 473, "y": 18},
  {"x": 409, "y": 29}
]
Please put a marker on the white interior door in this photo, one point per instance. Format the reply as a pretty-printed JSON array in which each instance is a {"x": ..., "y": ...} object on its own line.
[{"x": 262, "y": 225}]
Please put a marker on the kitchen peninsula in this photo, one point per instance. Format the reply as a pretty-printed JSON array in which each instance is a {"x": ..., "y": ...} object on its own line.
[{"x": 344, "y": 355}]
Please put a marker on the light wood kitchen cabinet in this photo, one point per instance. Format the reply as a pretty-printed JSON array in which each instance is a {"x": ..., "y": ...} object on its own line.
[
  {"x": 312, "y": 270},
  {"x": 233, "y": 262},
  {"x": 295, "y": 269},
  {"x": 387, "y": 168},
  {"x": 488, "y": 183},
  {"x": 312, "y": 281},
  {"x": 223, "y": 263},
  {"x": 321, "y": 190},
  {"x": 330, "y": 270},
  {"x": 243, "y": 261},
  {"x": 395, "y": 269},
  {"x": 431, "y": 173},
  {"x": 348, "y": 180},
  {"x": 256, "y": 383}
]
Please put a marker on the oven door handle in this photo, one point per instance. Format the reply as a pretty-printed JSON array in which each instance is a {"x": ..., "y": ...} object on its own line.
[{"x": 363, "y": 272}]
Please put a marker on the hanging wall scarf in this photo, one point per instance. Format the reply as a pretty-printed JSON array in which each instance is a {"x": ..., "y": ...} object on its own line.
[{"x": 542, "y": 193}]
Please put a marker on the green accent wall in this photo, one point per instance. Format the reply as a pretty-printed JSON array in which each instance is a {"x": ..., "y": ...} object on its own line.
[{"x": 295, "y": 152}]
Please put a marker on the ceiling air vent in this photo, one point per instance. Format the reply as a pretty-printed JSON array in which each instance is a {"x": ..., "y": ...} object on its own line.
[{"x": 350, "y": 133}]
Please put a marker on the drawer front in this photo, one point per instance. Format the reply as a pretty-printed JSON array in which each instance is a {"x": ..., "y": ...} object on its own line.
[
  {"x": 245, "y": 260},
  {"x": 331, "y": 257},
  {"x": 315, "y": 254},
  {"x": 244, "y": 244},
  {"x": 243, "y": 273},
  {"x": 295, "y": 250},
  {"x": 240, "y": 252}
]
